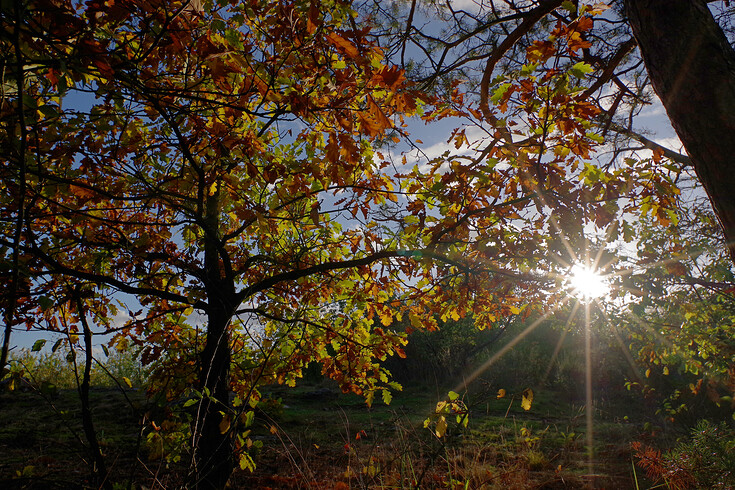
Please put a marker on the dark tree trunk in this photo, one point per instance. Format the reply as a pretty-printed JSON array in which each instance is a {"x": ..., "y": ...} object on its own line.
[
  {"x": 213, "y": 441},
  {"x": 97, "y": 461},
  {"x": 692, "y": 68},
  {"x": 213, "y": 447}
]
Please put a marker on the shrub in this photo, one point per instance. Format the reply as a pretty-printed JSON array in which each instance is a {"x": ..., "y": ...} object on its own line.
[{"x": 705, "y": 460}]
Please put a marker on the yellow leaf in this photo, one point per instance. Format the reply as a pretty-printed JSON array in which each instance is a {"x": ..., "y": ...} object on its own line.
[
  {"x": 648, "y": 372},
  {"x": 527, "y": 399},
  {"x": 501, "y": 393},
  {"x": 386, "y": 318},
  {"x": 246, "y": 462},
  {"x": 387, "y": 397},
  {"x": 369, "y": 397},
  {"x": 666, "y": 370},
  {"x": 127, "y": 382},
  {"x": 441, "y": 426}
]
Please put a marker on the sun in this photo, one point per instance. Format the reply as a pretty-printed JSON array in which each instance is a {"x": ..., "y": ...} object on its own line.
[{"x": 586, "y": 283}]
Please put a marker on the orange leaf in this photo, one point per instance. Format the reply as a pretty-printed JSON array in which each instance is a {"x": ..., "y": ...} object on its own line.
[
  {"x": 343, "y": 45},
  {"x": 313, "y": 21}
]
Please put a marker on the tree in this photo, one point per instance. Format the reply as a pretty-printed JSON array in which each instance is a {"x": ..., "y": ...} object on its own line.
[
  {"x": 192, "y": 158},
  {"x": 205, "y": 160},
  {"x": 683, "y": 54},
  {"x": 234, "y": 164},
  {"x": 679, "y": 314},
  {"x": 692, "y": 68}
]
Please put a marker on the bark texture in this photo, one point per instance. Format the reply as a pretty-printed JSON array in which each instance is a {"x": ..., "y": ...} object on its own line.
[{"x": 692, "y": 69}]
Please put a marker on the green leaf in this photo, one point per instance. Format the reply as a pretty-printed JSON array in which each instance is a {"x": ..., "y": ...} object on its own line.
[
  {"x": 387, "y": 397},
  {"x": 453, "y": 395},
  {"x": 104, "y": 349},
  {"x": 48, "y": 111},
  {"x": 528, "y": 69},
  {"x": 569, "y": 6},
  {"x": 57, "y": 344},
  {"x": 581, "y": 69},
  {"x": 189, "y": 402},
  {"x": 500, "y": 92},
  {"x": 249, "y": 418},
  {"x": 38, "y": 345},
  {"x": 45, "y": 303},
  {"x": 246, "y": 462}
]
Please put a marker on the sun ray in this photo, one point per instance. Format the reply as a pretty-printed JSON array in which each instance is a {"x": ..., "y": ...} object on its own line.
[
  {"x": 465, "y": 383},
  {"x": 560, "y": 342},
  {"x": 624, "y": 348},
  {"x": 588, "y": 390},
  {"x": 652, "y": 331}
]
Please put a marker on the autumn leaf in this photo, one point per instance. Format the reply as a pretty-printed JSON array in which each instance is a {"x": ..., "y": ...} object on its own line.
[
  {"x": 224, "y": 424},
  {"x": 343, "y": 45},
  {"x": 312, "y": 20},
  {"x": 527, "y": 399},
  {"x": 441, "y": 426}
]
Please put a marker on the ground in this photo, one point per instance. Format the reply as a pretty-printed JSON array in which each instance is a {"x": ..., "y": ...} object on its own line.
[{"x": 315, "y": 437}]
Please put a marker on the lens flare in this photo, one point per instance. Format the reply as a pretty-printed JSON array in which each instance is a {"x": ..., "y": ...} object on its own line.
[{"x": 586, "y": 283}]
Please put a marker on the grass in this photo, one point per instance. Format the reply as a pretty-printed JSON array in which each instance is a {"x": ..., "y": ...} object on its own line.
[
  {"x": 315, "y": 437},
  {"x": 339, "y": 440}
]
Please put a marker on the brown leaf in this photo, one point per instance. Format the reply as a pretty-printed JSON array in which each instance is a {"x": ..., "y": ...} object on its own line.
[{"x": 343, "y": 45}]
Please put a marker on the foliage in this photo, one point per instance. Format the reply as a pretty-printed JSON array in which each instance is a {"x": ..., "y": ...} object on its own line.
[
  {"x": 43, "y": 367},
  {"x": 442, "y": 355},
  {"x": 453, "y": 406},
  {"x": 200, "y": 159},
  {"x": 704, "y": 460},
  {"x": 218, "y": 186},
  {"x": 679, "y": 315}
]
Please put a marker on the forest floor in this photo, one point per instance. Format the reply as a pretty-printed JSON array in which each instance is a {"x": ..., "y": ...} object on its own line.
[{"x": 316, "y": 437}]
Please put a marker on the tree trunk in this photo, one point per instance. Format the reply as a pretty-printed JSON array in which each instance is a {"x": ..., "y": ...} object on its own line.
[
  {"x": 212, "y": 440},
  {"x": 213, "y": 447},
  {"x": 97, "y": 461},
  {"x": 692, "y": 69}
]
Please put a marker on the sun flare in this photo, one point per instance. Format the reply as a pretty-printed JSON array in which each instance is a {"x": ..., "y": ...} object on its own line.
[{"x": 586, "y": 283}]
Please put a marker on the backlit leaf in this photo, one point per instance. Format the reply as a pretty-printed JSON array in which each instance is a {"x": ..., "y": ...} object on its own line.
[
  {"x": 527, "y": 399},
  {"x": 441, "y": 426}
]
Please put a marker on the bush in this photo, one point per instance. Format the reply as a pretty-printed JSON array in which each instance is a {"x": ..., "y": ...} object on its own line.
[
  {"x": 42, "y": 368},
  {"x": 705, "y": 460}
]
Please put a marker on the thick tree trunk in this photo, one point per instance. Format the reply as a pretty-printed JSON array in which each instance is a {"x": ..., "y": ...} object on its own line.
[{"x": 692, "y": 68}]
